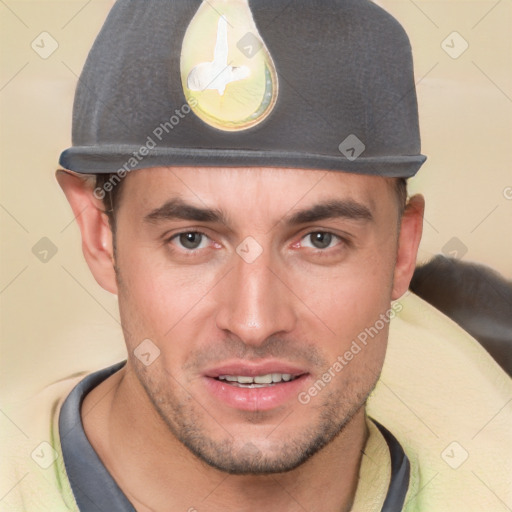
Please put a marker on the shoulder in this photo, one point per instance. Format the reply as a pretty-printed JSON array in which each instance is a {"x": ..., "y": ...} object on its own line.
[
  {"x": 33, "y": 475},
  {"x": 450, "y": 406}
]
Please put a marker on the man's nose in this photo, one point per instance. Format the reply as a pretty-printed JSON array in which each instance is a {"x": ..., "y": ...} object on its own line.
[{"x": 255, "y": 300}]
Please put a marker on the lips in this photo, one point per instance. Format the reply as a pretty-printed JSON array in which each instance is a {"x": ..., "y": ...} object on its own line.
[
  {"x": 251, "y": 387},
  {"x": 247, "y": 369}
]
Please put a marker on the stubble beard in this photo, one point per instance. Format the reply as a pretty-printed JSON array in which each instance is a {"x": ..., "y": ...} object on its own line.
[{"x": 198, "y": 429}]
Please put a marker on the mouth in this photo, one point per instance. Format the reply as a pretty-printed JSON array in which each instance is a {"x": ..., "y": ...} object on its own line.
[
  {"x": 259, "y": 381},
  {"x": 258, "y": 386}
]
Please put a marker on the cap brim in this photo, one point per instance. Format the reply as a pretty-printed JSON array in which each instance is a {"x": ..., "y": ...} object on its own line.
[{"x": 123, "y": 159}]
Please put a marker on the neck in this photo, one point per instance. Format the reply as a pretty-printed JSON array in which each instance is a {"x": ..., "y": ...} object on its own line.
[{"x": 156, "y": 472}]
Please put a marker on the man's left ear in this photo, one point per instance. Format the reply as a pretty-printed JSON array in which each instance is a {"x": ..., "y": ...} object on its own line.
[{"x": 408, "y": 243}]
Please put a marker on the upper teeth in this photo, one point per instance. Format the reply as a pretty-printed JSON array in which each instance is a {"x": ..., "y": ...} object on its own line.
[{"x": 269, "y": 378}]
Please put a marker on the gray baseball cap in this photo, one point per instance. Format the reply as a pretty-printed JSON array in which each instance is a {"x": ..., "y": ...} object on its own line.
[{"x": 312, "y": 84}]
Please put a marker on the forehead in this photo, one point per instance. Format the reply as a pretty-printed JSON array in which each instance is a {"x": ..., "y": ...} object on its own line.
[{"x": 254, "y": 191}]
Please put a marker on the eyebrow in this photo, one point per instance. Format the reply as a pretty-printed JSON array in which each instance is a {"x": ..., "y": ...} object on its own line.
[
  {"x": 178, "y": 209},
  {"x": 347, "y": 209}
]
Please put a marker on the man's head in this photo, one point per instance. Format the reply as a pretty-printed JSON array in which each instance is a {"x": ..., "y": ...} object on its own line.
[
  {"x": 250, "y": 216},
  {"x": 227, "y": 274}
]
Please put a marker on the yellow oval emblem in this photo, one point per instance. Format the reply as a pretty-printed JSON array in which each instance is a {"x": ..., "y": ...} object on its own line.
[{"x": 227, "y": 73}]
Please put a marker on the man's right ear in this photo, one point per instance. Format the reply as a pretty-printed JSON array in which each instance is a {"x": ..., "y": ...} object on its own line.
[{"x": 97, "y": 243}]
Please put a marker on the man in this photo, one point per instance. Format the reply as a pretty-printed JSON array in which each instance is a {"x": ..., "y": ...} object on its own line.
[{"x": 248, "y": 209}]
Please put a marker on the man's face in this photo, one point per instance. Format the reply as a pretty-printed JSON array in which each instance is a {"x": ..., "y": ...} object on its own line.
[{"x": 237, "y": 273}]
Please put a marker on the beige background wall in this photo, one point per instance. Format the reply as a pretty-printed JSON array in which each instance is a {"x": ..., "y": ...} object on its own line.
[{"x": 55, "y": 319}]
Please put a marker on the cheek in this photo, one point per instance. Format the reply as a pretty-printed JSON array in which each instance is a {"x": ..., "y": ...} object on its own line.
[
  {"x": 156, "y": 300},
  {"x": 350, "y": 297},
  {"x": 353, "y": 300}
]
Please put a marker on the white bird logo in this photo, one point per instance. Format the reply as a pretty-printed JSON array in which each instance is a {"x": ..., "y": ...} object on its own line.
[{"x": 217, "y": 74}]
